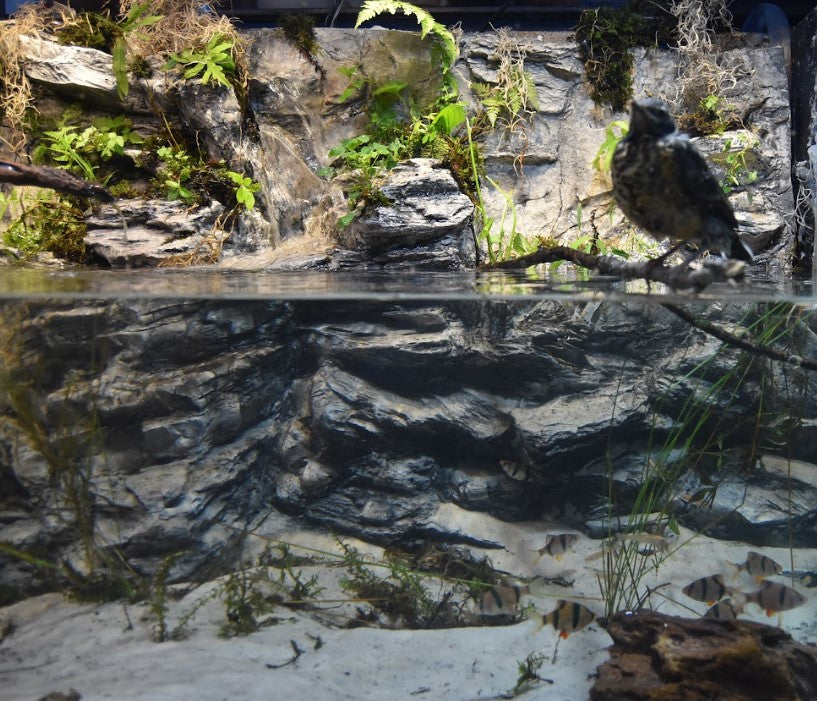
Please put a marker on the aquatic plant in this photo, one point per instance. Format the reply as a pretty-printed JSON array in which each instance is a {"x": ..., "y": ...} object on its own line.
[
  {"x": 158, "y": 598},
  {"x": 528, "y": 673},
  {"x": 697, "y": 442}
]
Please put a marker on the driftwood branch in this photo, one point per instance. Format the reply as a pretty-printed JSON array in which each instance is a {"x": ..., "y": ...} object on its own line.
[
  {"x": 52, "y": 178},
  {"x": 678, "y": 277},
  {"x": 723, "y": 335}
]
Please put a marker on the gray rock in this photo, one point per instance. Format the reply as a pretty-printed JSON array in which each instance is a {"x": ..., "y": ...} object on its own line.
[
  {"x": 192, "y": 420},
  {"x": 426, "y": 206},
  {"x": 75, "y": 72},
  {"x": 804, "y": 131},
  {"x": 542, "y": 166},
  {"x": 777, "y": 507},
  {"x": 148, "y": 232}
]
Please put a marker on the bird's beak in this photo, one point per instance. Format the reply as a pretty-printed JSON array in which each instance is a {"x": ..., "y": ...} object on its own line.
[{"x": 639, "y": 119}]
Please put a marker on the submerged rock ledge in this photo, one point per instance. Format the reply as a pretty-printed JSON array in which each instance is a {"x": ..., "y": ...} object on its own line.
[{"x": 190, "y": 421}]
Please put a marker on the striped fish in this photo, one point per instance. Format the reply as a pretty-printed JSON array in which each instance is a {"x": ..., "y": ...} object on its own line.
[
  {"x": 566, "y": 617},
  {"x": 557, "y": 545},
  {"x": 775, "y": 597},
  {"x": 723, "y": 611},
  {"x": 759, "y": 566},
  {"x": 709, "y": 589},
  {"x": 502, "y": 599}
]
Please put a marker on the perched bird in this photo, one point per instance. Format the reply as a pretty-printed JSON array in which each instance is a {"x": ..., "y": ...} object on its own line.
[{"x": 664, "y": 185}]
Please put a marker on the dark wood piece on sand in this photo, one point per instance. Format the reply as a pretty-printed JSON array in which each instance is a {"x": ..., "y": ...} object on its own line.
[{"x": 655, "y": 656}]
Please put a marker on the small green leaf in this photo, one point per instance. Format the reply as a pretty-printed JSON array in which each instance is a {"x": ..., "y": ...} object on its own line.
[
  {"x": 393, "y": 87},
  {"x": 193, "y": 70},
  {"x": 449, "y": 118},
  {"x": 120, "y": 67},
  {"x": 346, "y": 219}
]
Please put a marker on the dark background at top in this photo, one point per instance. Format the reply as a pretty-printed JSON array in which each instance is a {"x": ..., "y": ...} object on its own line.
[{"x": 474, "y": 16}]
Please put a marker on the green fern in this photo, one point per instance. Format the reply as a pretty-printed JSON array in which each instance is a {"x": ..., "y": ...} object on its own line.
[{"x": 428, "y": 25}]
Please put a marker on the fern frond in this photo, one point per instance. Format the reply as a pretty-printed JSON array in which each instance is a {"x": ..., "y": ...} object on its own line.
[{"x": 428, "y": 25}]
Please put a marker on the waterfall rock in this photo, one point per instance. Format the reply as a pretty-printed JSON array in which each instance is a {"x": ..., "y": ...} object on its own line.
[{"x": 156, "y": 231}]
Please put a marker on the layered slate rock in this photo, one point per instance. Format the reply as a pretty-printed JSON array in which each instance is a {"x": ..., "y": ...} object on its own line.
[
  {"x": 190, "y": 422},
  {"x": 140, "y": 233},
  {"x": 293, "y": 114},
  {"x": 657, "y": 656},
  {"x": 804, "y": 136},
  {"x": 426, "y": 223}
]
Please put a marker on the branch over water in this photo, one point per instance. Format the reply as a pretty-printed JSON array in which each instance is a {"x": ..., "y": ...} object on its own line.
[{"x": 678, "y": 277}]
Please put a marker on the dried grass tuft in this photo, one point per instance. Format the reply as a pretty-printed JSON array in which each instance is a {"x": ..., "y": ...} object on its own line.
[
  {"x": 184, "y": 25},
  {"x": 703, "y": 71}
]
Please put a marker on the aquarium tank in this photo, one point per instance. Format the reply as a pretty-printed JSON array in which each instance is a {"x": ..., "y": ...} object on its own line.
[{"x": 383, "y": 350}]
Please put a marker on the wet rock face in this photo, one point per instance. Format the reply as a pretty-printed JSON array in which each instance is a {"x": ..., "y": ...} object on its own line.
[
  {"x": 149, "y": 232},
  {"x": 281, "y": 136},
  {"x": 656, "y": 656},
  {"x": 186, "y": 422}
]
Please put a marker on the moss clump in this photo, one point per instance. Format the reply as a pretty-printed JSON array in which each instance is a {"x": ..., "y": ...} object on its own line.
[
  {"x": 605, "y": 37},
  {"x": 140, "y": 67},
  {"x": 299, "y": 31},
  {"x": 709, "y": 118},
  {"x": 91, "y": 29},
  {"x": 51, "y": 222}
]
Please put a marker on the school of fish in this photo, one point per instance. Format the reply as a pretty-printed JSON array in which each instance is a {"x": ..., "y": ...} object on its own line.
[{"x": 726, "y": 602}]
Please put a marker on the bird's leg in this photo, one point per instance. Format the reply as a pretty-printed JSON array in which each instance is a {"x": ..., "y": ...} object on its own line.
[{"x": 659, "y": 261}]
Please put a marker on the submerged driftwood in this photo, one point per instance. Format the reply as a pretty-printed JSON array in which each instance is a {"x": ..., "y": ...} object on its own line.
[{"x": 655, "y": 656}]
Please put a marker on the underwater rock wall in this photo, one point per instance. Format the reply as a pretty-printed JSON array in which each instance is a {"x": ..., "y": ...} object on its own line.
[{"x": 158, "y": 427}]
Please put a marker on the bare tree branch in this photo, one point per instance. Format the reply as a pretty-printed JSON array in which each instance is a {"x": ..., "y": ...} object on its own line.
[
  {"x": 679, "y": 277},
  {"x": 53, "y": 178}
]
